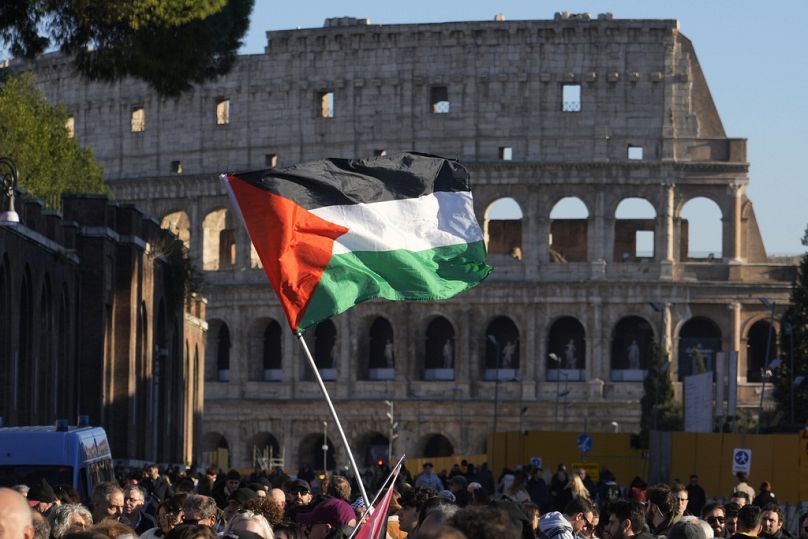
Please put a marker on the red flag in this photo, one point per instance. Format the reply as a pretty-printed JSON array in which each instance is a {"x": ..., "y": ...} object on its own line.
[{"x": 375, "y": 526}]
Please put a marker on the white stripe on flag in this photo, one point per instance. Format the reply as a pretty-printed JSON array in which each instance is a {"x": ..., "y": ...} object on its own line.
[{"x": 415, "y": 224}]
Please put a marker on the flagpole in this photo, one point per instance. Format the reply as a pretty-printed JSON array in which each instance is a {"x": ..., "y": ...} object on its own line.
[
  {"x": 390, "y": 480},
  {"x": 333, "y": 414}
]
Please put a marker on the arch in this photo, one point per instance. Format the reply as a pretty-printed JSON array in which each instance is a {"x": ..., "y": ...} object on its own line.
[
  {"x": 701, "y": 231},
  {"x": 372, "y": 447},
  {"x": 503, "y": 227},
  {"x": 215, "y": 450},
  {"x": 381, "y": 356},
  {"x": 262, "y": 449},
  {"x": 634, "y": 230},
  {"x": 436, "y": 445},
  {"x": 325, "y": 345},
  {"x": 272, "y": 353},
  {"x": 566, "y": 348},
  {"x": 310, "y": 452},
  {"x": 569, "y": 223},
  {"x": 178, "y": 223},
  {"x": 217, "y": 362},
  {"x": 218, "y": 241},
  {"x": 439, "y": 360},
  {"x": 501, "y": 349},
  {"x": 699, "y": 341},
  {"x": 760, "y": 334},
  {"x": 632, "y": 347},
  {"x": 223, "y": 353}
]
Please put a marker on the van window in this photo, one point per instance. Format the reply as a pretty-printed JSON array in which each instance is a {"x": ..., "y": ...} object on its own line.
[{"x": 30, "y": 475}]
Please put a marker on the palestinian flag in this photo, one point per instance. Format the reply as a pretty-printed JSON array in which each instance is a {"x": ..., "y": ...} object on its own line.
[{"x": 337, "y": 232}]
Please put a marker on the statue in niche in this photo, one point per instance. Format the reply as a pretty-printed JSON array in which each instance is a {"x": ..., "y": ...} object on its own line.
[
  {"x": 508, "y": 351},
  {"x": 448, "y": 354},
  {"x": 570, "y": 355},
  {"x": 633, "y": 355},
  {"x": 388, "y": 354}
]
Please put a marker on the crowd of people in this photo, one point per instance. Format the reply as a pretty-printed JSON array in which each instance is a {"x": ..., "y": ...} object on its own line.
[{"x": 463, "y": 503}]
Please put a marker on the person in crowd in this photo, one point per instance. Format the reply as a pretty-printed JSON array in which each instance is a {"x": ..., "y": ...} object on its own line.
[
  {"x": 298, "y": 497},
  {"x": 696, "y": 496},
  {"x": 288, "y": 530},
  {"x": 41, "y": 527},
  {"x": 198, "y": 509},
  {"x": 15, "y": 515},
  {"x": 537, "y": 488},
  {"x": 638, "y": 490},
  {"x": 589, "y": 530},
  {"x": 428, "y": 479},
  {"x": 765, "y": 495},
  {"x": 772, "y": 519},
  {"x": 435, "y": 512},
  {"x": 740, "y": 497},
  {"x": 706, "y": 528},
  {"x": 485, "y": 478},
  {"x": 802, "y": 522},
  {"x": 42, "y": 497},
  {"x": 516, "y": 491},
  {"x": 578, "y": 489},
  {"x": 156, "y": 485},
  {"x": 533, "y": 513},
  {"x": 192, "y": 532},
  {"x": 134, "y": 500},
  {"x": 412, "y": 500},
  {"x": 748, "y": 522},
  {"x": 67, "y": 494},
  {"x": 686, "y": 529},
  {"x": 588, "y": 483},
  {"x": 559, "y": 494},
  {"x": 223, "y": 490},
  {"x": 169, "y": 515},
  {"x": 69, "y": 518},
  {"x": 715, "y": 515},
  {"x": 237, "y": 500},
  {"x": 743, "y": 486},
  {"x": 482, "y": 522},
  {"x": 114, "y": 529},
  {"x": 249, "y": 521},
  {"x": 277, "y": 495},
  {"x": 206, "y": 481},
  {"x": 477, "y": 494},
  {"x": 626, "y": 519},
  {"x": 731, "y": 509},
  {"x": 107, "y": 502},
  {"x": 334, "y": 510},
  {"x": 568, "y": 523},
  {"x": 660, "y": 509},
  {"x": 458, "y": 485},
  {"x": 267, "y": 507},
  {"x": 682, "y": 500}
]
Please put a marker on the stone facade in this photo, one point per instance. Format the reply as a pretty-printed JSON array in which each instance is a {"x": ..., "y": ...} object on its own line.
[
  {"x": 90, "y": 325},
  {"x": 539, "y": 111}
]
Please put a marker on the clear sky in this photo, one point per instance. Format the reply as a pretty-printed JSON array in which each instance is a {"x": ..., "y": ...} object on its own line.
[{"x": 753, "y": 53}]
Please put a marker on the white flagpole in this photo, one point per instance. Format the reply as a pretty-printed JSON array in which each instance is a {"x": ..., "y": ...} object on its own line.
[
  {"x": 334, "y": 414},
  {"x": 370, "y": 507}
]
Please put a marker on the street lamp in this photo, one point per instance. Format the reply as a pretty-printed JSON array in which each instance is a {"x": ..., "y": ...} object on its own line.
[
  {"x": 393, "y": 430},
  {"x": 8, "y": 183},
  {"x": 769, "y": 305},
  {"x": 615, "y": 425},
  {"x": 325, "y": 446}
]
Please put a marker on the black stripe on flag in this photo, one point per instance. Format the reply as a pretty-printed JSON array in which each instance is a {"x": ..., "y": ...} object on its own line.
[{"x": 336, "y": 182}]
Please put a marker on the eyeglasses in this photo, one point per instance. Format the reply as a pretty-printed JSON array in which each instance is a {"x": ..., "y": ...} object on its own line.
[
  {"x": 713, "y": 520},
  {"x": 300, "y": 491},
  {"x": 682, "y": 499}
]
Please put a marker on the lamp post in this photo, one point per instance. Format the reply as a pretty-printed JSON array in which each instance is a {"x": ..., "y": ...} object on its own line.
[
  {"x": 659, "y": 308},
  {"x": 325, "y": 446},
  {"x": 557, "y": 361},
  {"x": 8, "y": 183},
  {"x": 393, "y": 429},
  {"x": 770, "y": 305},
  {"x": 493, "y": 340}
]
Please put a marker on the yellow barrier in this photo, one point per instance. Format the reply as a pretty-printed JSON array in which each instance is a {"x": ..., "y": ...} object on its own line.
[{"x": 442, "y": 463}]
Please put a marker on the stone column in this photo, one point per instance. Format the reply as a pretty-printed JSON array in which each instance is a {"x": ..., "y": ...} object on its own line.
[
  {"x": 732, "y": 223},
  {"x": 595, "y": 237},
  {"x": 733, "y": 341},
  {"x": 664, "y": 234},
  {"x": 542, "y": 227},
  {"x": 532, "y": 240}
]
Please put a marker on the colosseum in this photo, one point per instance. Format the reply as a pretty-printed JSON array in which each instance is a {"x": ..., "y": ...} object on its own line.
[{"x": 586, "y": 138}]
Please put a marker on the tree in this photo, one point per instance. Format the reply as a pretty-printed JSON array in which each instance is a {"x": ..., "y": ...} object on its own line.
[
  {"x": 34, "y": 136},
  {"x": 794, "y": 341},
  {"x": 659, "y": 409},
  {"x": 170, "y": 44}
]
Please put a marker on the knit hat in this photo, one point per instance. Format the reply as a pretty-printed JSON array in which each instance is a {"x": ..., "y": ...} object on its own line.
[
  {"x": 233, "y": 475},
  {"x": 41, "y": 493}
]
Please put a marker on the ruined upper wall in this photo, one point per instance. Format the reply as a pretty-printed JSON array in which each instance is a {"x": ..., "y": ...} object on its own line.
[{"x": 499, "y": 86}]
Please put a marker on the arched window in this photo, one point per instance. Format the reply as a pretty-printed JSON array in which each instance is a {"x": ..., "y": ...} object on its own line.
[
  {"x": 325, "y": 340},
  {"x": 634, "y": 228},
  {"x": 437, "y": 445},
  {"x": 381, "y": 359},
  {"x": 264, "y": 451},
  {"x": 566, "y": 346},
  {"x": 503, "y": 228},
  {"x": 215, "y": 450},
  {"x": 310, "y": 452},
  {"x": 439, "y": 361},
  {"x": 218, "y": 241},
  {"x": 569, "y": 231},
  {"x": 760, "y": 335},
  {"x": 178, "y": 223},
  {"x": 223, "y": 354},
  {"x": 272, "y": 353},
  {"x": 632, "y": 347},
  {"x": 699, "y": 342},
  {"x": 701, "y": 231},
  {"x": 373, "y": 447},
  {"x": 501, "y": 350}
]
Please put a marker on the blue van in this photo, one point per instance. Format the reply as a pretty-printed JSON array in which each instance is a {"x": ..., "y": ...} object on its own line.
[{"x": 62, "y": 454}]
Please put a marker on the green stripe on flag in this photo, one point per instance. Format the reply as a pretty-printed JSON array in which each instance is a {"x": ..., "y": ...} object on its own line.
[{"x": 433, "y": 274}]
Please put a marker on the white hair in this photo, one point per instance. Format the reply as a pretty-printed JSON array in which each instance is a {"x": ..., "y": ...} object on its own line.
[
  {"x": 708, "y": 530},
  {"x": 61, "y": 517},
  {"x": 240, "y": 519}
]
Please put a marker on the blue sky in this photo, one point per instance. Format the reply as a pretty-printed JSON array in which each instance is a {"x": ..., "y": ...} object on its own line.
[{"x": 753, "y": 54}]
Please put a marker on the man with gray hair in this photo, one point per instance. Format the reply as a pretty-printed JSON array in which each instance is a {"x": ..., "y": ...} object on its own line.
[
  {"x": 69, "y": 518},
  {"x": 134, "y": 498},
  {"x": 107, "y": 502},
  {"x": 201, "y": 510},
  {"x": 15, "y": 516}
]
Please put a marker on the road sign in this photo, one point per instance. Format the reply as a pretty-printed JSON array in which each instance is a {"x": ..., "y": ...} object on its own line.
[
  {"x": 741, "y": 460},
  {"x": 536, "y": 462},
  {"x": 584, "y": 443},
  {"x": 592, "y": 469}
]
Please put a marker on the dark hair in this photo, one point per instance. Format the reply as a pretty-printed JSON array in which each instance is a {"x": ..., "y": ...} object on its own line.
[
  {"x": 740, "y": 494},
  {"x": 629, "y": 510},
  {"x": 781, "y": 516},
  {"x": 67, "y": 494},
  {"x": 731, "y": 509},
  {"x": 192, "y": 531},
  {"x": 578, "y": 505},
  {"x": 710, "y": 507},
  {"x": 290, "y": 530},
  {"x": 748, "y": 518},
  {"x": 416, "y": 497},
  {"x": 531, "y": 509},
  {"x": 436, "y": 504},
  {"x": 661, "y": 496},
  {"x": 90, "y": 534},
  {"x": 482, "y": 522}
]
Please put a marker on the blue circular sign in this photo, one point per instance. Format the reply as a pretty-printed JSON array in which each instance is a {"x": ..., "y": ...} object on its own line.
[{"x": 584, "y": 443}]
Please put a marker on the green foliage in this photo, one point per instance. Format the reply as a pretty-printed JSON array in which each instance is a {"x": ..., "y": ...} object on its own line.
[
  {"x": 659, "y": 409},
  {"x": 183, "y": 278},
  {"x": 34, "y": 136},
  {"x": 793, "y": 342},
  {"x": 170, "y": 44}
]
